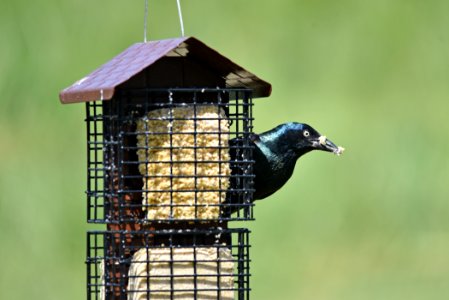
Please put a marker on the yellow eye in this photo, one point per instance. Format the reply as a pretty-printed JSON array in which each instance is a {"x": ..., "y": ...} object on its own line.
[{"x": 306, "y": 133}]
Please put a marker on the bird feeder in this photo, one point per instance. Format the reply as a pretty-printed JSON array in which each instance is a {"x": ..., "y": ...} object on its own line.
[{"x": 169, "y": 165}]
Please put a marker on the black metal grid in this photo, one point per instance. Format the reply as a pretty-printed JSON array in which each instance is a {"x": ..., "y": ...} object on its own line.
[
  {"x": 115, "y": 186},
  {"x": 110, "y": 256}
]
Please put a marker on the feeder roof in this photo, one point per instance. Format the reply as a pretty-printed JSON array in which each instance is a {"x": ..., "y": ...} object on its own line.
[{"x": 101, "y": 83}]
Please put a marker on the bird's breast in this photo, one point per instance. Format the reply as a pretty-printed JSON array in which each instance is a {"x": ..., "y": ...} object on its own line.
[{"x": 272, "y": 171}]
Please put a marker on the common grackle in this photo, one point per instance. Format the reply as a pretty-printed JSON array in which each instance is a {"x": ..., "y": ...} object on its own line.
[{"x": 276, "y": 152}]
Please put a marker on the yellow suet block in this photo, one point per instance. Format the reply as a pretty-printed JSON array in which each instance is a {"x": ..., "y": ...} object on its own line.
[
  {"x": 184, "y": 159},
  {"x": 160, "y": 273}
]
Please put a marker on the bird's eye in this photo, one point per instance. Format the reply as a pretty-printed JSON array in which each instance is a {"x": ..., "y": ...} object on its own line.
[{"x": 306, "y": 133}]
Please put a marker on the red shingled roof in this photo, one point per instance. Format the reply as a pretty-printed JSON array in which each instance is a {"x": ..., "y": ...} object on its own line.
[{"x": 101, "y": 83}]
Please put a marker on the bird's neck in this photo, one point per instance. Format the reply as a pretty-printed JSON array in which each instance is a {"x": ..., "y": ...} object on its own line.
[
  {"x": 277, "y": 145},
  {"x": 280, "y": 155}
]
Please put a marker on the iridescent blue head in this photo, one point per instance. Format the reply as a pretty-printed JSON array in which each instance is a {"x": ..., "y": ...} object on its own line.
[{"x": 299, "y": 138}]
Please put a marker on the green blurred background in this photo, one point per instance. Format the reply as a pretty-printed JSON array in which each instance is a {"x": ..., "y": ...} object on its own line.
[{"x": 371, "y": 75}]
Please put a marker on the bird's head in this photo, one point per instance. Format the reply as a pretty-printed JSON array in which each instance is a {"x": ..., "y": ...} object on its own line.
[{"x": 305, "y": 139}]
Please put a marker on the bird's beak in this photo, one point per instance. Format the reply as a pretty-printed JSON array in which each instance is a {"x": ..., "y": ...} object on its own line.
[{"x": 325, "y": 144}]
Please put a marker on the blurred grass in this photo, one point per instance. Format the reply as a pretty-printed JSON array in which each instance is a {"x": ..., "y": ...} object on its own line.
[{"x": 371, "y": 75}]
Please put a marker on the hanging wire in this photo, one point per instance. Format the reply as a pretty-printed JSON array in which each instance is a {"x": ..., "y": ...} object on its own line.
[
  {"x": 180, "y": 17},
  {"x": 145, "y": 21}
]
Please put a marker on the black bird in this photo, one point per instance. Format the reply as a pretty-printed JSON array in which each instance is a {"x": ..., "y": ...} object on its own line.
[{"x": 276, "y": 152}]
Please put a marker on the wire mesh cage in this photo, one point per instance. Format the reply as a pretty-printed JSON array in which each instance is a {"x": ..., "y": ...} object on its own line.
[
  {"x": 170, "y": 155},
  {"x": 168, "y": 169},
  {"x": 204, "y": 264}
]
